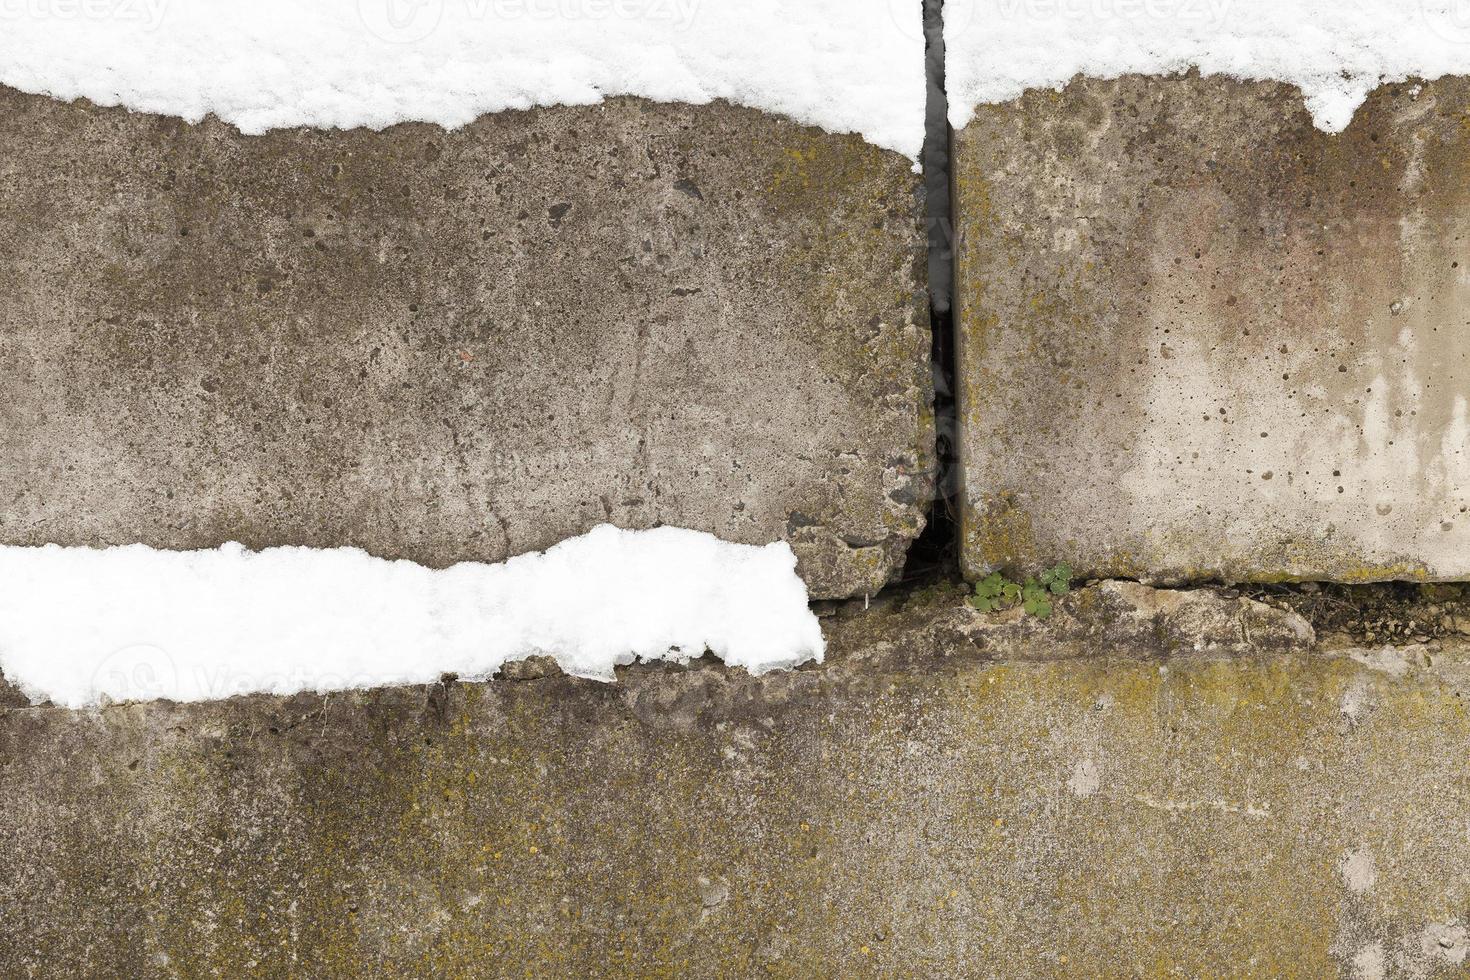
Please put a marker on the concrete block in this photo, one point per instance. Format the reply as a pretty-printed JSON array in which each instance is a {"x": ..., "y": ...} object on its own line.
[
  {"x": 462, "y": 345},
  {"x": 1201, "y": 339},
  {"x": 949, "y": 795}
]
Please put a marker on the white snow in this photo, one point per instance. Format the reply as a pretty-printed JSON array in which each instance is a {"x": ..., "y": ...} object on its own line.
[
  {"x": 1336, "y": 51},
  {"x": 80, "y": 625},
  {"x": 844, "y": 65}
]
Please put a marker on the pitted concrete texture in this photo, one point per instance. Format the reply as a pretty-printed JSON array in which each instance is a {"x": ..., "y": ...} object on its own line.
[
  {"x": 1148, "y": 784},
  {"x": 1201, "y": 339},
  {"x": 462, "y": 345}
]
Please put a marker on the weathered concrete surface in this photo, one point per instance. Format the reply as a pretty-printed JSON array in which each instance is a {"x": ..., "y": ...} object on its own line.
[
  {"x": 462, "y": 345},
  {"x": 1199, "y": 338},
  {"x": 949, "y": 796}
]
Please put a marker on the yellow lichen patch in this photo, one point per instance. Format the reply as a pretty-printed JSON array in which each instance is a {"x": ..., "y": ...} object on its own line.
[
  {"x": 1204, "y": 802},
  {"x": 1257, "y": 815},
  {"x": 819, "y": 169},
  {"x": 998, "y": 536}
]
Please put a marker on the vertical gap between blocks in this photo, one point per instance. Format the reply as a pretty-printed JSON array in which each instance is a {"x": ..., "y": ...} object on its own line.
[{"x": 935, "y": 555}]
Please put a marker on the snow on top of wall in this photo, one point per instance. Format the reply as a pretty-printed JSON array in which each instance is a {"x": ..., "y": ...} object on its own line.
[
  {"x": 80, "y": 625},
  {"x": 1336, "y": 51},
  {"x": 844, "y": 65}
]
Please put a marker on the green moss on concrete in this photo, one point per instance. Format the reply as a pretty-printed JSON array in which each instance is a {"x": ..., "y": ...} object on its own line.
[{"x": 910, "y": 809}]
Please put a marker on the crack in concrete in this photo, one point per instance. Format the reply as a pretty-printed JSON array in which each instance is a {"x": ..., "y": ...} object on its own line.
[{"x": 936, "y": 551}]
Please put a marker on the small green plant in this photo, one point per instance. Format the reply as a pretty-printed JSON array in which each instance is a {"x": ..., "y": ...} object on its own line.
[{"x": 995, "y": 592}]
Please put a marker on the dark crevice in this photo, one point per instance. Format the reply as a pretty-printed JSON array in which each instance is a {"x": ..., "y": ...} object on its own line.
[
  {"x": 1375, "y": 612},
  {"x": 1380, "y": 612},
  {"x": 935, "y": 555}
]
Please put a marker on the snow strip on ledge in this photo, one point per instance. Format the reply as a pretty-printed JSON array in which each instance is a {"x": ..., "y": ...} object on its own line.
[
  {"x": 845, "y": 65},
  {"x": 80, "y": 625},
  {"x": 1335, "y": 51}
]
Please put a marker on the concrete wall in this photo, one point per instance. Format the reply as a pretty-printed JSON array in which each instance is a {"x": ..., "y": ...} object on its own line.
[
  {"x": 950, "y": 795},
  {"x": 1199, "y": 338},
  {"x": 463, "y": 345}
]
